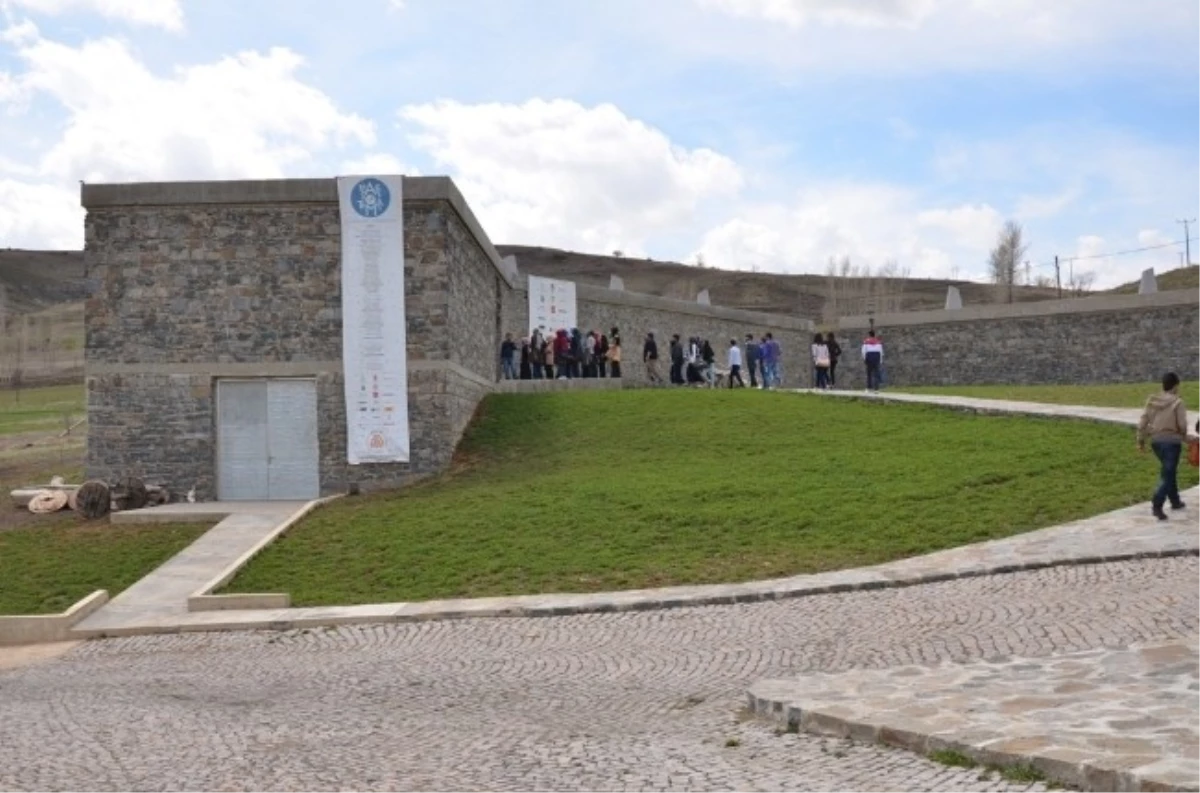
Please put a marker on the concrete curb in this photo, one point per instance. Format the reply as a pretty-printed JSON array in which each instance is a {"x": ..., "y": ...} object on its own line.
[
  {"x": 41, "y": 628},
  {"x": 203, "y": 599}
]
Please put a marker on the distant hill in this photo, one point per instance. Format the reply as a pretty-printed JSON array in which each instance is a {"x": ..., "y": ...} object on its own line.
[
  {"x": 33, "y": 280},
  {"x": 804, "y": 295},
  {"x": 1179, "y": 278}
]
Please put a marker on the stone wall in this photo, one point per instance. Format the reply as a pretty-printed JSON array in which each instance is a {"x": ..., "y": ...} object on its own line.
[
  {"x": 1105, "y": 339},
  {"x": 635, "y": 315},
  {"x": 193, "y": 282}
]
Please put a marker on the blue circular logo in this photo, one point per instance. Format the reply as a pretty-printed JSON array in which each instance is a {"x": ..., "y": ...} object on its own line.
[{"x": 370, "y": 198}]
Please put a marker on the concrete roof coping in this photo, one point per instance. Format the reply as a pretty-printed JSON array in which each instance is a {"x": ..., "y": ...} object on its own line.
[
  {"x": 1039, "y": 308},
  {"x": 281, "y": 191},
  {"x": 600, "y": 294}
]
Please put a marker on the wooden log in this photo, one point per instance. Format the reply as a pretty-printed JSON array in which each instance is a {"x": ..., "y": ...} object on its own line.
[
  {"x": 94, "y": 499},
  {"x": 130, "y": 493},
  {"x": 22, "y": 495},
  {"x": 47, "y": 502}
]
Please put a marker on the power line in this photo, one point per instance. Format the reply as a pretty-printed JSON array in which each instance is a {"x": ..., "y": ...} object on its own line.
[{"x": 1105, "y": 256}]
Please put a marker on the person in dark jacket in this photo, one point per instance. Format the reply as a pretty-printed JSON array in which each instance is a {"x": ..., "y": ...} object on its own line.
[
  {"x": 752, "y": 356},
  {"x": 602, "y": 356},
  {"x": 508, "y": 357},
  {"x": 676, "y": 360},
  {"x": 575, "y": 360},
  {"x": 650, "y": 359},
  {"x": 709, "y": 358},
  {"x": 835, "y": 352},
  {"x": 526, "y": 365}
]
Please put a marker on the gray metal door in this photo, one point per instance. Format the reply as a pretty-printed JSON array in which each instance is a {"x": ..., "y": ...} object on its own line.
[
  {"x": 267, "y": 440},
  {"x": 292, "y": 440}
]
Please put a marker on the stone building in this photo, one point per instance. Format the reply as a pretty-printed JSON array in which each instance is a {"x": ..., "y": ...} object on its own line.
[{"x": 214, "y": 333}]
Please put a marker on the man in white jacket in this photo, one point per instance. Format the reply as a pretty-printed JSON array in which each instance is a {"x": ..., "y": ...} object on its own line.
[{"x": 735, "y": 364}]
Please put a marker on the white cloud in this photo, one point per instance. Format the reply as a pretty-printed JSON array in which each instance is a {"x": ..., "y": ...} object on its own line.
[
  {"x": 589, "y": 178},
  {"x": 377, "y": 163},
  {"x": 243, "y": 116},
  {"x": 1046, "y": 205},
  {"x": 798, "y": 13},
  {"x": 870, "y": 223},
  {"x": 39, "y": 215},
  {"x": 166, "y": 14}
]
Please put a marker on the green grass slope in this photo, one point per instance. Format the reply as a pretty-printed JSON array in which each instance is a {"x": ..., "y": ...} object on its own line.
[{"x": 619, "y": 490}]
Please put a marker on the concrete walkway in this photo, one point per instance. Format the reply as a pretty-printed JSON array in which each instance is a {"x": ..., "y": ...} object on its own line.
[
  {"x": 158, "y": 603},
  {"x": 161, "y": 597}
]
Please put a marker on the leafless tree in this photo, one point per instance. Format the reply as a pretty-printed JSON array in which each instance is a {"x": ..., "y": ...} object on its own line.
[
  {"x": 1005, "y": 259},
  {"x": 1079, "y": 284}
]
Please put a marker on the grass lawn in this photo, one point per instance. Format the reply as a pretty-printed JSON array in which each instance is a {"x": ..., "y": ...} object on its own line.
[
  {"x": 628, "y": 489},
  {"x": 1118, "y": 395},
  {"x": 48, "y": 567},
  {"x": 39, "y": 409}
]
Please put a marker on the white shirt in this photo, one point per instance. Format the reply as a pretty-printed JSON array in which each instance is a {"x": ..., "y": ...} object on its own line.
[
  {"x": 735, "y": 356},
  {"x": 820, "y": 351}
]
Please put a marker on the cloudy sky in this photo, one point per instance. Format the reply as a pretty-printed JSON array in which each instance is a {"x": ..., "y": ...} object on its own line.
[{"x": 759, "y": 133}]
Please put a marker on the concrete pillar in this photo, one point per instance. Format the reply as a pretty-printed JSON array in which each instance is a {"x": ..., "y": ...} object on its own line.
[
  {"x": 1149, "y": 284},
  {"x": 616, "y": 283},
  {"x": 953, "y": 299},
  {"x": 702, "y": 298}
]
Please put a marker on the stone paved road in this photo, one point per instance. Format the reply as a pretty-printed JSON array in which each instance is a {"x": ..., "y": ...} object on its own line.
[{"x": 634, "y": 701}]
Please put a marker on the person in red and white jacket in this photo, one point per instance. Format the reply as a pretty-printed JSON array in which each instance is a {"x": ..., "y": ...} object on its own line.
[{"x": 872, "y": 353}]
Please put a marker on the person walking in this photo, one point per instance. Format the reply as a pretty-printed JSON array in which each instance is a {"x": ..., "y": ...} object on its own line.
[
  {"x": 735, "y": 364},
  {"x": 752, "y": 359},
  {"x": 820, "y": 359},
  {"x": 508, "y": 356},
  {"x": 650, "y": 360},
  {"x": 872, "y": 354},
  {"x": 548, "y": 358},
  {"x": 526, "y": 363},
  {"x": 562, "y": 354},
  {"x": 835, "y": 352},
  {"x": 602, "y": 345},
  {"x": 1164, "y": 423},
  {"x": 708, "y": 358},
  {"x": 676, "y": 361},
  {"x": 537, "y": 355},
  {"x": 575, "y": 357},
  {"x": 770, "y": 352},
  {"x": 613, "y": 354},
  {"x": 589, "y": 354}
]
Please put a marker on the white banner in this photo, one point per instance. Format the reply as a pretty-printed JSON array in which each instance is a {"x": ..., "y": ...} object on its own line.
[
  {"x": 551, "y": 305},
  {"x": 374, "y": 357}
]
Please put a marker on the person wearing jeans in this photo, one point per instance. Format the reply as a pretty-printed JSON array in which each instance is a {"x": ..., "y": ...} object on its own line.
[
  {"x": 1164, "y": 422},
  {"x": 508, "y": 357},
  {"x": 872, "y": 354}
]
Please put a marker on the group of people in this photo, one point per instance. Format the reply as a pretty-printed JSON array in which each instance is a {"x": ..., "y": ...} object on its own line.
[
  {"x": 826, "y": 351},
  {"x": 695, "y": 363},
  {"x": 565, "y": 354}
]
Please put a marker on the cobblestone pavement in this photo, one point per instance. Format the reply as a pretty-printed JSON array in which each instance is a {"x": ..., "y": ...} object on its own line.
[{"x": 635, "y": 701}]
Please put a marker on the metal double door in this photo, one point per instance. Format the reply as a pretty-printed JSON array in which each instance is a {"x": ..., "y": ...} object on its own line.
[{"x": 267, "y": 446}]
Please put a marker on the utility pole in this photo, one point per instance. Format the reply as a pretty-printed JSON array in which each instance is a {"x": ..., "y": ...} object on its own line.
[
  {"x": 1058, "y": 276},
  {"x": 1187, "y": 239}
]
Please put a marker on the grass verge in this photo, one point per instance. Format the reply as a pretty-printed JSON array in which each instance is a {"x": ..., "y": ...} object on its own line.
[
  {"x": 618, "y": 490},
  {"x": 1117, "y": 395},
  {"x": 48, "y": 567},
  {"x": 40, "y": 409}
]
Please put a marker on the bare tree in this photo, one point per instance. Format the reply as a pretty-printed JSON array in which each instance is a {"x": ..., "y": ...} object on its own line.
[
  {"x": 1005, "y": 258},
  {"x": 1080, "y": 284}
]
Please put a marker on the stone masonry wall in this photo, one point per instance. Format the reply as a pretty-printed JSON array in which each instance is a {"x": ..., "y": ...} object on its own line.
[
  {"x": 1136, "y": 340},
  {"x": 636, "y": 315},
  {"x": 184, "y": 294}
]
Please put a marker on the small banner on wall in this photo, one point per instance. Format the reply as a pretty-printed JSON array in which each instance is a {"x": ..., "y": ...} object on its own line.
[
  {"x": 551, "y": 305},
  {"x": 374, "y": 358}
]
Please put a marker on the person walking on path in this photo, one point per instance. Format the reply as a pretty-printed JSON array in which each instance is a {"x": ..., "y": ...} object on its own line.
[
  {"x": 770, "y": 356},
  {"x": 537, "y": 354},
  {"x": 735, "y": 364},
  {"x": 708, "y": 357},
  {"x": 650, "y": 360},
  {"x": 613, "y": 353},
  {"x": 508, "y": 356},
  {"x": 820, "y": 359},
  {"x": 752, "y": 355},
  {"x": 1164, "y": 423},
  {"x": 526, "y": 363},
  {"x": 835, "y": 352},
  {"x": 676, "y": 361},
  {"x": 548, "y": 357},
  {"x": 602, "y": 345},
  {"x": 872, "y": 354}
]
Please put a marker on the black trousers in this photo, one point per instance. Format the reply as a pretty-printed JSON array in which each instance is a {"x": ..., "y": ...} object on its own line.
[
  {"x": 677, "y": 372},
  {"x": 872, "y": 375},
  {"x": 832, "y": 371},
  {"x": 614, "y": 369},
  {"x": 601, "y": 365},
  {"x": 735, "y": 372},
  {"x": 753, "y": 379}
]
